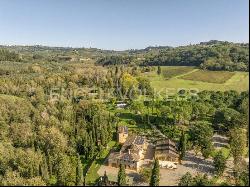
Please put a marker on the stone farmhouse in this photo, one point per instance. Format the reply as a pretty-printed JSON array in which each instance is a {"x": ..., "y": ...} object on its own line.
[
  {"x": 131, "y": 154},
  {"x": 135, "y": 148}
]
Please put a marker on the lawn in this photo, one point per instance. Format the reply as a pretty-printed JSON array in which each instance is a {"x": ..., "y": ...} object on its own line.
[
  {"x": 132, "y": 121},
  {"x": 218, "y": 77},
  {"x": 92, "y": 174}
]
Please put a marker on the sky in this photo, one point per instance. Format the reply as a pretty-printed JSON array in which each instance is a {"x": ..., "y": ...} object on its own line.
[{"x": 122, "y": 24}]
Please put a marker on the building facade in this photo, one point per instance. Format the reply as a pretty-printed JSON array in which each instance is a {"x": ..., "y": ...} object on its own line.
[
  {"x": 122, "y": 134},
  {"x": 166, "y": 150}
]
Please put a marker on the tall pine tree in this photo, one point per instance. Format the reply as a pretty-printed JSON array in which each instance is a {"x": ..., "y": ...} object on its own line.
[
  {"x": 122, "y": 176},
  {"x": 155, "y": 177}
]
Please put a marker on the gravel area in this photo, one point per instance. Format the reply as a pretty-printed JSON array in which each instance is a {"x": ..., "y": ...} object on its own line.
[{"x": 193, "y": 164}]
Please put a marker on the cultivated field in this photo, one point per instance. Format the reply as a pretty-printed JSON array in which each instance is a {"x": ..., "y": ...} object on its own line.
[
  {"x": 191, "y": 78},
  {"x": 219, "y": 77},
  {"x": 170, "y": 72}
]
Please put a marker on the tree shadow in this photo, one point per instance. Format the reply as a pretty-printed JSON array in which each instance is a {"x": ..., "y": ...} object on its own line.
[
  {"x": 136, "y": 176},
  {"x": 128, "y": 115},
  {"x": 199, "y": 164},
  {"x": 217, "y": 144},
  {"x": 220, "y": 139}
]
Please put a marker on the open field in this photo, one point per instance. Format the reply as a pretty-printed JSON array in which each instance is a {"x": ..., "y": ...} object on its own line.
[
  {"x": 170, "y": 72},
  {"x": 209, "y": 76},
  {"x": 200, "y": 80}
]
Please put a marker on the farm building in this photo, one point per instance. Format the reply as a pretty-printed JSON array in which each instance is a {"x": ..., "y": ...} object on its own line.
[{"x": 165, "y": 150}]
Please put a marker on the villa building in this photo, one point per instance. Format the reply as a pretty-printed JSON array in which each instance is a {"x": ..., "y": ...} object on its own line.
[
  {"x": 131, "y": 154},
  {"x": 136, "y": 151}
]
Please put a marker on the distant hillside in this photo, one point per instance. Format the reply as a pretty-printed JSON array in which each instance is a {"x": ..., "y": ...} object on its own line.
[{"x": 211, "y": 55}]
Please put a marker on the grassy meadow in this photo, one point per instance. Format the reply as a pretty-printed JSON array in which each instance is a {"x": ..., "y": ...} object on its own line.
[{"x": 183, "y": 77}]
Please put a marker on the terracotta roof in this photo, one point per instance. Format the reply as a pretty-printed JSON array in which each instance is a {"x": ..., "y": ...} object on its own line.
[
  {"x": 124, "y": 156},
  {"x": 128, "y": 142},
  {"x": 130, "y": 149},
  {"x": 133, "y": 140},
  {"x": 130, "y": 157},
  {"x": 139, "y": 140}
]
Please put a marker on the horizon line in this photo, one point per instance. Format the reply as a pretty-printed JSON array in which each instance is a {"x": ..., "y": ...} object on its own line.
[{"x": 128, "y": 49}]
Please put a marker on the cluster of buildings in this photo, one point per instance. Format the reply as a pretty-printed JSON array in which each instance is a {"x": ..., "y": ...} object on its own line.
[{"x": 136, "y": 151}]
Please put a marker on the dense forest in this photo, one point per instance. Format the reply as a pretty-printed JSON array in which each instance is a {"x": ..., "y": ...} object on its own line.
[
  {"x": 57, "y": 111},
  {"x": 212, "y": 55}
]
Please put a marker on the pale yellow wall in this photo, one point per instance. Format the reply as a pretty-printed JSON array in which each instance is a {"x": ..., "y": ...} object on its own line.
[{"x": 122, "y": 137}]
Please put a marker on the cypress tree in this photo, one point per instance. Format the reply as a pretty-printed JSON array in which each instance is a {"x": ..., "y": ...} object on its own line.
[
  {"x": 105, "y": 179},
  {"x": 104, "y": 135},
  {"x": 44, "y": 169},
  {"x": 182, "y": 146},
  {"x": 122, "y": 176},
  {"x": 116, "y": 70},
  {"x": 155, "y": 177},
  {"x": 159, "y": 70},
  {"x": 79, "y": 172},
  {"x": 91, "y": 148},
  {"x": 50, "y": 165}
]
